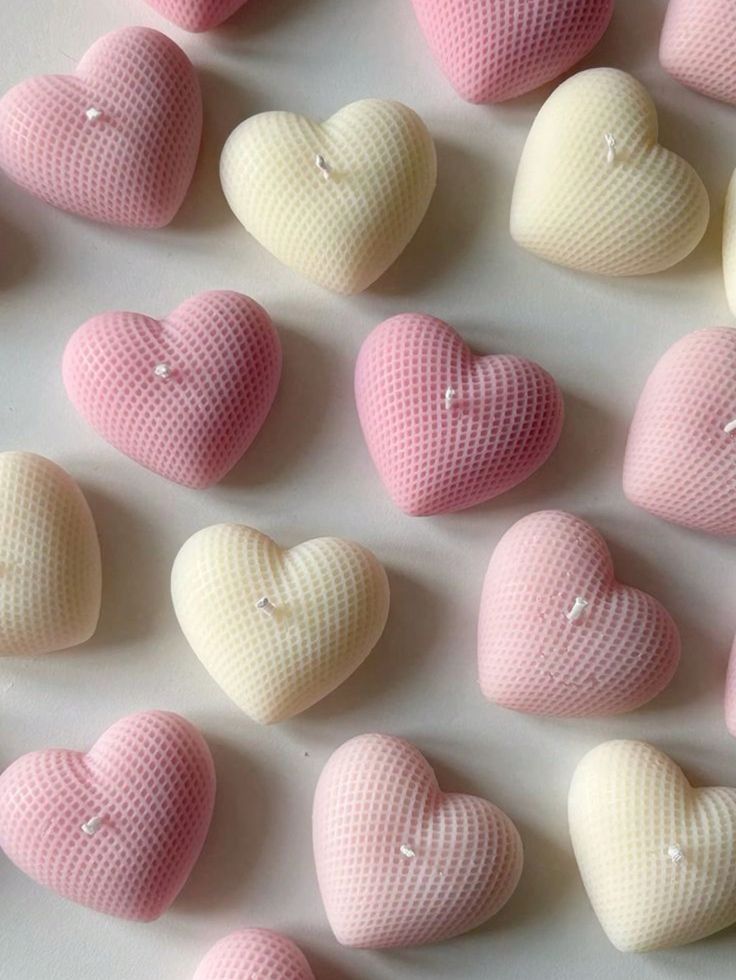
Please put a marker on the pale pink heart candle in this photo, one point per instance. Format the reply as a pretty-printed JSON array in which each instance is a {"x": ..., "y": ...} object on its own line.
[
  {"x": 196, "y": 15},
  {"x": 399, "y": 862},
  {"x": 116, "y": 141},
  {"x": 558, "y": 635},
  {"x": 493, "y": 50},
  {"x": 697, "y": 46},
  {"x": 681, "y": 452},
  {"x": 184, "y": 396},
  {"x": 447, "y": 428},
  {"x": 254, "y": 954},
  {"x": 120, "y": 828}
]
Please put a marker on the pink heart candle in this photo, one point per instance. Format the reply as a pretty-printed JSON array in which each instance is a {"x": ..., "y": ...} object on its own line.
[
  {"x": 399, "y": 862},
  {"x": 446, "y": 428},
  {"x": 117, "y": 140},
  {"x": 494, "y": 50},
  {"x": 559, "y": 635},
  {"x": 196, "y": 15},
  {"x": 254, "y": 954},
  {"x": 117, "y": 829},
  {"x": 697, "y": 46},
  {"x": 184, "y": 396}
]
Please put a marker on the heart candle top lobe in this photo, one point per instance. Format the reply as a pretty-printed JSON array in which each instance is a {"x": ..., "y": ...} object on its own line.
[{"x": 118, "y": 140}]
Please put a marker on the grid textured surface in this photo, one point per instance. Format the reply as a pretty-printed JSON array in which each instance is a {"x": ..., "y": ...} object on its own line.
[
  {"x": 493, "y": 50},
  {"x": 254, "y": 954},
  {"x": 120, "y": 828},
  {"x": 729, "y": 244},
  {"x": 192, "y": 425},
  {"x": 50, "y": 569},
  {"x": 697, "y": 46},
  {"x": 680, "y": 461},
  {"x": 400, "y": 863},
  {"x": 133, "y": 162},
  {"x": 640, "y": 210},
  {"x": 345, "y": 230},
  {"x": 196, "y": 15},
  {"x": 327, "y": 606},
  {"x": 502, "y": 423},
  {"x": 612, "y": 656},
  {"x": 656, "y": 855}
]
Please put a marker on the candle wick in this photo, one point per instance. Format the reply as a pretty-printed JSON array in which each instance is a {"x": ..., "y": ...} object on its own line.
[
  {"x": 408, "y": 851},
  {"x": 162, "y": 371},
  {"x": 611, "y": 144},
  {"x": 579, "y": 607},
  {"x": 730, "y": 427},
  {"x": 93, "y": 114},
  {"x": 450, "y": 395},
  {"x": 265, "y": 605},
  {"x": 323, "y": 166},
  {"x": 91, "y": 826},
  {"x": 675, "y": 854}
]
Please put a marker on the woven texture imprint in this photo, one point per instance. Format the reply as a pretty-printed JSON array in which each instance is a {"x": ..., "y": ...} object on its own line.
[
  {"x": 558, "y": 635},
  {"x": 120, "y": 828},
  {"x": 116, "y": 141},
  {"x": 196, "y": 15},
  {"x": 493, "y": 50},
  {"x": 399, "y": 862},
  {"x": 656, "y": 855},
  {"x": 448, "y": 429},
  {"x": 697, "y": 46},
  {"x": 254, "y": 954},
  {"x": 50, "y": 568}
]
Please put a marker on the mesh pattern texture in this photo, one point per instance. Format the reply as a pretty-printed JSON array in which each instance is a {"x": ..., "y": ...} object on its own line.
[
  {"x": 656, "y": 855},
  {"x": 729, "y": 244},
  {"x": 630, "y": 209},
  {"x": 540, "y": 650},
  {"x": 399, "y": 862},
  {"x": 196, "y": 15},
  {"x": 494, "y": 50},
  {"x": 680, "y": 461},
  {"x": 120, "y": 828},
  {"x": 345, "y": 225},
  {"x": 697, "y": 46},
  {"x": 326, "y": 604},
  {"x": 132, "y": 162},
  {"x": 254, "y": 954},
  {"x": 501, "y": 423},
  {"x": 50, "y": 567},
  {"x": 221, "y": 359}
]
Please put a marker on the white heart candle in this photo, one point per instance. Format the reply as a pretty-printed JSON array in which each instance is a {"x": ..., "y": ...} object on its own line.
[
  {"x": 50, "y": 569},
  {"x": 655, "y": 854},
  {"x": 278, "y": 629},
  {"x": 337, "y": 201},
  {"x": 596, "y": 191}
]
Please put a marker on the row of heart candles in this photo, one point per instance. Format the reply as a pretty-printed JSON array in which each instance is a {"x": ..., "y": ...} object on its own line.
[{"x": 340, "y": 201}]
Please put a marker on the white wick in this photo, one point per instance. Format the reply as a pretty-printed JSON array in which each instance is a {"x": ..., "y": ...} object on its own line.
[
  {"x": 730, "y": 427},
  {"x": 265, "y": 605},
  {"x": 674, "y": 853},
  {"x": 162, "y": 371},
  {"x": 407, "y": 851},
  {"x": 323, "y": 166},
  {"x": 579, "y": 607},
  {"x": 450, "y": 395},
  {"x": 91, "y": 827},
  {"x": 93, "y": 114},
  {"x": 611, "y": 144}
]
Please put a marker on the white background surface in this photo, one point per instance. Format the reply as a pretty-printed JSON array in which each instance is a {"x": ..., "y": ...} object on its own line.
[{"x": 309, "y": 474}]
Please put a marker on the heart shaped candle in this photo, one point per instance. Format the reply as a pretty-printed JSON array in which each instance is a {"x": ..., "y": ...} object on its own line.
[
  {"x": 50, "y": 572},
  {"x": 184, "y": 396},
  {"x": 399, "y": 862},
  {"x": 446, "y": 428},
  {"x": 278, "y": 629},
  {"x": 254, "y": 954},
  {"x": 337, "y": 201},
  {"x": 117, "y": 829},
  {"x": 116, "y": 141},
  {"x": 595, "y": 190},
  {"x": 196, "y": 15},
  {"x": 655, "y": 854},
  {"x": 493, "y": 50},
  {"x": 681, "y": 451},
  {"x": 697, "y": 46},
  {"x": 558, "y": 635}
]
